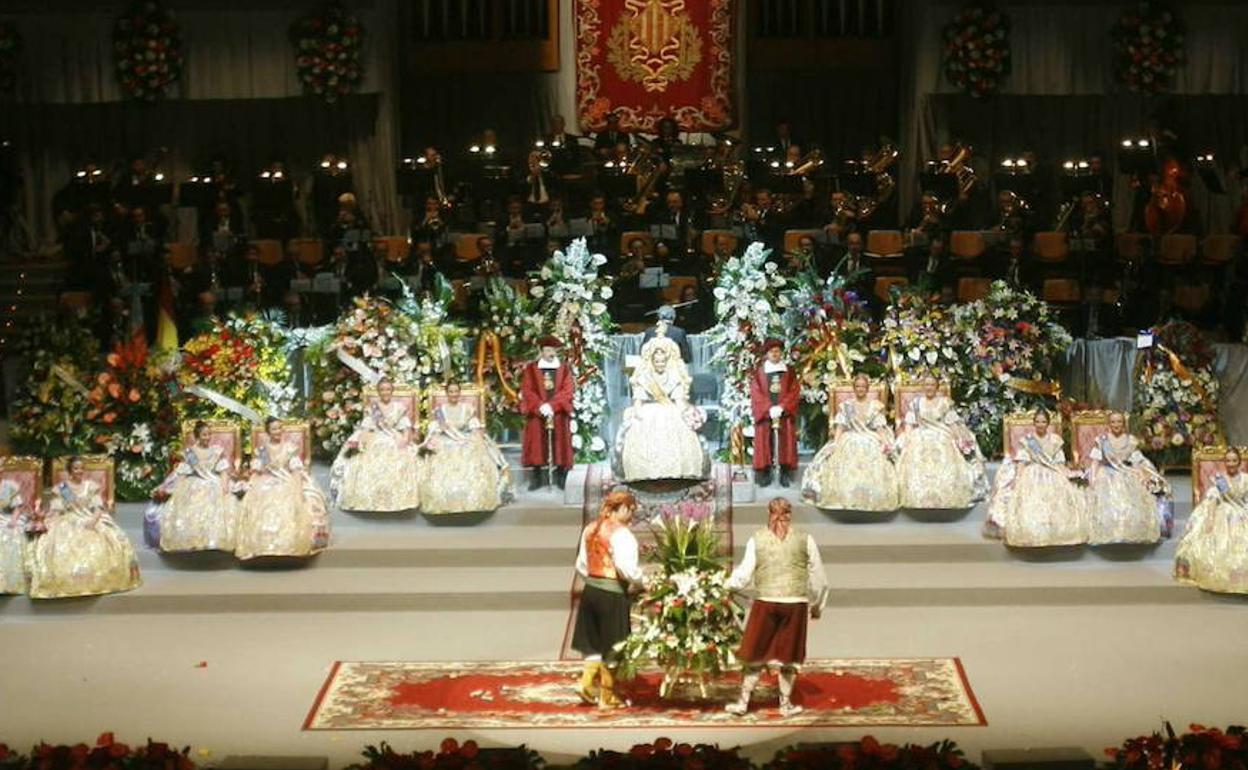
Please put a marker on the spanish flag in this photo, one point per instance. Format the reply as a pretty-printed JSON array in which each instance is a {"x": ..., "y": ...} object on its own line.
[{"x": 166, "y": 327}]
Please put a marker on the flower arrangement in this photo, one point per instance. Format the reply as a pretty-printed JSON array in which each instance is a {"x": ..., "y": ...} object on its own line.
[
  {"x": 1202, "y": 748},
  {"x": 1015, "y": 344},
  {"x": 1176, "y": 394},
  {"x": 106, "y": 754},
  {"x": 663, "y": 754},
  {"x": 750, "y": 305},
  {"x": 10, "y": 47},
  {"x": 328, "y": 45},
  {"x": 49, "y": 415},
  {"x": 977, "y": 48},
  {"x": 572, "y": 299},
  {"x": 1148, "y": 47},
  {"x": 147, "y": 50},
  {"x": 690, "y": 625},
  {"x": 451, "y": 755},
  {"x": 506, "y": 338},
  {"x": 870, "y": 754}
]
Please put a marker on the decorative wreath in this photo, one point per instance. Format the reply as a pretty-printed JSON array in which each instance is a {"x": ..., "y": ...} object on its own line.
[
  {"x": 147, "y": 50},
  {"x": 1148, "y": 47},
  {"x": 10, "y": 46},
  {"x": 327, "y": 52},
  {"x": 977, "y": 49}
]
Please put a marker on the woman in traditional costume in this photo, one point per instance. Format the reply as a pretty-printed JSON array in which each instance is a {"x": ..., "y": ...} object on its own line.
[
  {"x": 939, "y": 464},
  {"x": 854, "y": 471},
  {"x": 1127, "y": 498},
  {"x": 658, "y": 437},
  {"x": 378, "y": 467},
  {"x": 284, "y": 512},
  {"x": 1036, "y": 501},
  {"x": 82, "y": 551},
  {"x": 464, "y": 471},
  {"x": 1213, "y": 553},
  {"x": 197, "y": 510},
  {"x": 13, "y": 522}
]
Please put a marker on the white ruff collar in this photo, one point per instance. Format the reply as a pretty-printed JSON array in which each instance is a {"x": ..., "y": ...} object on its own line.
[
  {"x": 544, "y": 364},
  {"x": 772, "y": 368}
]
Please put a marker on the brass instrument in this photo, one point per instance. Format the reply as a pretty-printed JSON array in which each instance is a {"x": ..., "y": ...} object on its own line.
[
  {"x": 648, "y": 170},
  {"x": 809, "y": 162},
  {"x": 720, "y": 203},
  {"x": 885, "y": 185},
  {"x": 959, "y": 165},
  {"x": 1015, "y": 207},
  {"x": 1063, "y": 214}
]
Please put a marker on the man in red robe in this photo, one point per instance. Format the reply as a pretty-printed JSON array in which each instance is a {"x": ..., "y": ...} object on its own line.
[
  {"x": 774, "y": 394},
  {"x": 546, "y": 389}
]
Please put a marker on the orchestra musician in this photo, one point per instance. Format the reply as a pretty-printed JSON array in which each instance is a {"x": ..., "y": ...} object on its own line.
[
  {"x": 431, "y": 227},
  {"x": 678, "y": 234},
  {"x": 604, "y": 233},
  {"x": 608, "y": 141},
  {"x": 761, "y": 219},
  {"x": 563, "y": 146}
]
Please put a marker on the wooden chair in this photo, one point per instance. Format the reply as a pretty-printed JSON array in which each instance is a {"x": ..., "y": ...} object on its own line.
[
  {"x": 671, "y": 292},
  {"x": 268, "y": 252},
  {"x": 1085, "y": 427},
  {"x": 906, "y": 390},
  {"x": 27, "y": 474},
  {"x": 793, "y": 239},
  {"x": 469, "y": 394},
  {"x": 1061, "y": 291},
  {"x": 1176, "y": 249},
  {"x": 181, "y": 256},
  {"x": 309, "y": 252},
  {"x": 393, "y": 249},
  {"x": 466, "y": 247},
  {"x": 221, "y": 433},
  {"x": 707, "y": 242},
  {"x": 885, "y": 244},
  {"x": 1218, "y": 250},
  {"x": 884, "y": 285},
  {"x": 290, "y": 429},
  {"x": 843, "y": 390},
  {"x": 408, "y": 395},
  {"x": 971, "y": 289},
  {"x": 967, "y": 244},
  {"x": 1132, "y": 247},
  {"x": 1050, "y": 247},
  {"x": 97, "y": 468},
  {"x": 1013, "y": 427},
  {"x": 1207, "y": 461},
  {"x": 1192, "y": 297},
  {"x": 628, "y": 236}
]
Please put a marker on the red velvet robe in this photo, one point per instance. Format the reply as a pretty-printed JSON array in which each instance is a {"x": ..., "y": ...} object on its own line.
[
  {"x": 532, "y": 396},
  {"x": 760, "y": 405}
]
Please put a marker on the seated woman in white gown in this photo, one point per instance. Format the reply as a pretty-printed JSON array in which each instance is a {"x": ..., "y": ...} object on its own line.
[
  {"x": 463, "y": 470},
  {"x": 1126, "y": 495},
  {"x": 284, "y": 512},
  {"x": 13, "y": 523},
  {"x": 854, "y": 471},
  {"x": 658, "y": 436},
  {"x": 377, "y": 468},
  {"x": 197, "y": 509},
  {"x": 82, "y": 551},
  {"x": 939, "y": 464},
  {"x": 1035, "y": 501},
  {"x": 1213, "y": 553}
]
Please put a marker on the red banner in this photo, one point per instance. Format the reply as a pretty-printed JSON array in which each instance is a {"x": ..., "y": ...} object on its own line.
[{"x": 650, "y": 59}]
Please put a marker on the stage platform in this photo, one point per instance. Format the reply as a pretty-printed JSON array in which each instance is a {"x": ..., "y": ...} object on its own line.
[{"x": 1087, "y": 644}]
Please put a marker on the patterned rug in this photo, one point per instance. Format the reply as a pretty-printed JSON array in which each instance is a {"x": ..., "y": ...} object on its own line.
[
  {"x": 502, "y": 695},
  {"x": 711, "y": 497}
]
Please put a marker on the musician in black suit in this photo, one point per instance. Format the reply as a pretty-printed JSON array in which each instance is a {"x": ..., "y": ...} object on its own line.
[
  {"x": 676, "y": 238},
  {"x": 666, "y": 325},
  {"x": 538, "y": 185},
  {"x": 606, "y": 140},
  {"x": 564, "y": 147},
  {"x": 518, "y": 253},
  {"x": 604, "y": 237},
  {"x": 224, "y": 242}
]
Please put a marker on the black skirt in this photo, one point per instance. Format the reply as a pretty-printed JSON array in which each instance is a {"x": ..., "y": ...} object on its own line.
[{"x": 601, "y": 621}]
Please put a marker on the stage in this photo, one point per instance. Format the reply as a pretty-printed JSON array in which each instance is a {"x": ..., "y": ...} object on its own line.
[{"x": 1089, "y": 645}]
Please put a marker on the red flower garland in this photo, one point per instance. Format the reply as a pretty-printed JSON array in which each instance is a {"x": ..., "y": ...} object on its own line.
[
  {"x": 327, "y": 52},
  {"x": 147, "y": 49},
  {"x": 977, "y": 49},
  {"x": 1148, "y": 47}
]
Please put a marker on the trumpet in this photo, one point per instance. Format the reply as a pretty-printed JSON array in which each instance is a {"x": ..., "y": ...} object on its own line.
[{"x": 809, "y": 162}]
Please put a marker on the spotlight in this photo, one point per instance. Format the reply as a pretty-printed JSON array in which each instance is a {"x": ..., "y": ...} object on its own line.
[
  {"x": 476, "y": 148},
  {"x": 342, "y": 165},
  {"x": 81, "y": 174},
  {"x": 159, "y": 177},
  {"x": 540, "y": 143},
  {"x": 1069, "y": 165},
  {"x": 325, "y": 164}
]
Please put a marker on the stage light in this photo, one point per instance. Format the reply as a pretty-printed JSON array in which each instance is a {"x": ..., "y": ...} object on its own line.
[
  {"x": 81, "y": 174},
  {"x": 278, "y": 175},
  {"x": 159, "y": 177},
  {"x": 1069, "y": 165},
  {"x": 1008, "y": 163},
  {"x": 475, "y": 148},
  {"x": 96, "y": 172},
  {"x": 775, "y": 164},
  {"x": 325, "y": 164},
  {"x": 539, "y": 144},
  {"x": 489, "y": 149},
  {"x": 342, "y": 165},
  {"x": 263, "y": 175}
]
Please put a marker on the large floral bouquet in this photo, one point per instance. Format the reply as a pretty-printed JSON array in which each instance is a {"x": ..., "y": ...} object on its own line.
[
  {"x": 977, "y": 48},
  {"x": 920, "y": 335},
  {"x": 10, "y": 47},
  {"x": 572, "y": 301},
  {"x": 690, "y": 624},
  {"x": 750, "y": 305},
  {"x": 1148, "y": 47},
  {"x": 147, "y": 48},
  {"x": 243, "y": 359},
  {"x": 1203, "y": 748},
  {"x": 327, "y": 52},
  {"x": 49, "y": 415},
  {"x": 506, "y": 339},
  {"x": 870, "y": 754},
  {"x": 1015, "y": 347},
  {"x": 1176, "y": 394}
]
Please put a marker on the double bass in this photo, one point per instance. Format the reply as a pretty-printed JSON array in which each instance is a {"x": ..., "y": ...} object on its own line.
[{"x": 1167, "y": 206}]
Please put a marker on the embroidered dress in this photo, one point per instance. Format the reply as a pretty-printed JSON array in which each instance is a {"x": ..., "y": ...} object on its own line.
[
  {"x": 1213, "y": 553},
  {"x": 1127, "y": 497},
  {"x": 939, "y": 464},
  {"x": 853, "y": 472},
  {"x": 80, "y": 554},
  {"x": 657, "y": 438},
  {"x": 200, "y": 513},
  {"x": 464, "y": 471},
  {"x": 13, "y": 578},
  {"x": 283, "y": 512},
  {"x": 378, "y": 468},
  {"x": 1034, "y": 502}
]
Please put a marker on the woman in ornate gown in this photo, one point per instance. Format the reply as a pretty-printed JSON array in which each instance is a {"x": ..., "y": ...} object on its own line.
[
  {"x": 12, "y": 539},
  {"x": 1126, "y": 494},
  {"x": 939, "y": 465},
  {"x": 1035, "y": 502},
  {"x": 284, "y": 512},
  {"x": 197, "y": 510},
  {"x": 1213, "y": 553},
  {"x": 658, "y": 436},
  {"x": 463, "y": 471},
  {"x": 854, "y": 471},
  {"x": 82, "y": 552},
  {"x": 377, "y": 469}
]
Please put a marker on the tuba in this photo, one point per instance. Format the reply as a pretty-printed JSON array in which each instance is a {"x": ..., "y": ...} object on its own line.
[
  {"x": 885, "y": 185},
  {"x": 721, "y": 202},
  {"x": 959, "y": 165}
]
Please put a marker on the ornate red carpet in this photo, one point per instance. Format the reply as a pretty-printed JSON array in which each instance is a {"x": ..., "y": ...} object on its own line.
[{"x": 507, "y": 695}]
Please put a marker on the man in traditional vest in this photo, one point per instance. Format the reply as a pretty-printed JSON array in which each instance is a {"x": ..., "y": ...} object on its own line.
[
  {"x": 784, "y": 567},
  {"x": 774, "y": 394},
  {"x": 546, "y": 390},
  {"x": 607, "y": 561}
]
